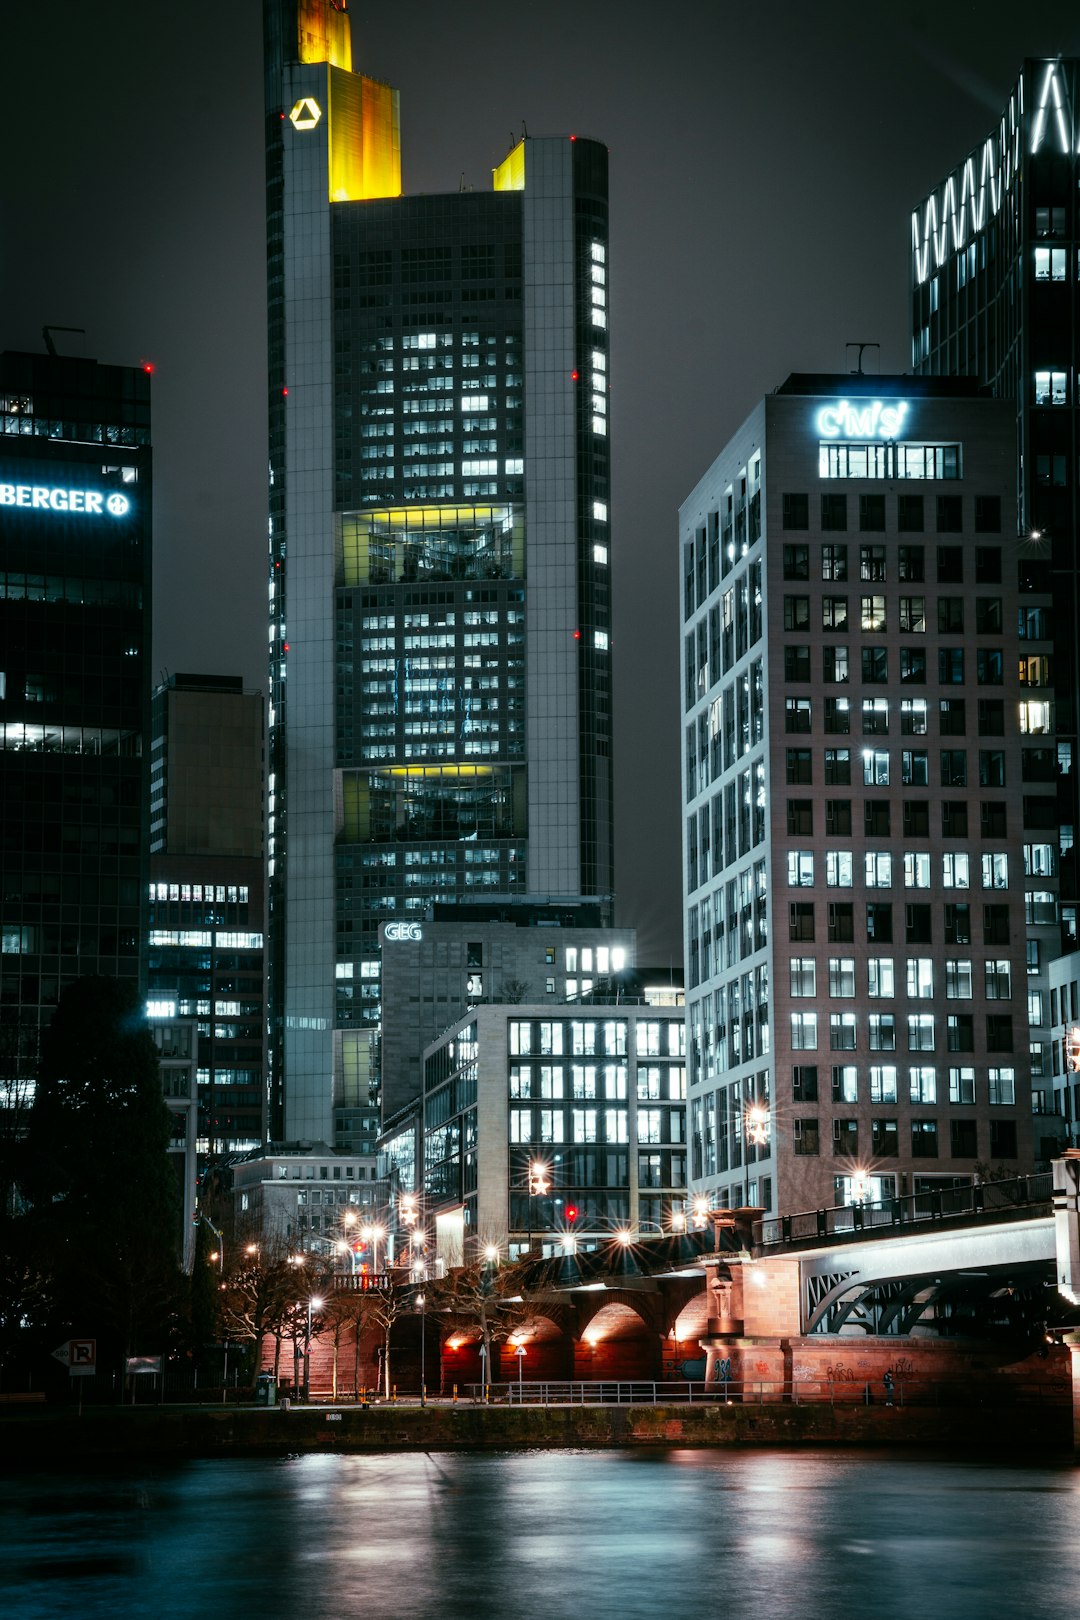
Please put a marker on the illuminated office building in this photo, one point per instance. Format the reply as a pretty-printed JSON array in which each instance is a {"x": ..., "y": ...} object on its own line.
[
  {"x": 869, "y": 795},
  {"x": 75, "y": 528},
  {"x": 207, "y": 896},
  {"x": 440, "y": 704},
  {"x": 995, "y": 270}
]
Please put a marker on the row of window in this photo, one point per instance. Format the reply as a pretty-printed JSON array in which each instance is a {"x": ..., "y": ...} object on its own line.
[
  {"x": 841, "y": 925},
  {"x": 551, "y": 1037},
  {"x": 1036, "y": 764},
  {"x": 877, "y": 822},
  {"x": 881, "y": 1084},
  {"x": 878, "y": 868},
  {"x": 884, "y": 1143},
  {"x": 957, "y": 974},
  {"x": 612, "y": 1125},
  {"x": 1034, "y": 715},
  {"x": 586, "y": 1081},
  {"x": 873, "y": 509},
  {"x": 881, "y": 1032}
]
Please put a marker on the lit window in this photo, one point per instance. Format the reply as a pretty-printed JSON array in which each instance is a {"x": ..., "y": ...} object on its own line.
[
  {"x": 599, "y": 511},
  {"x": 880, "y": 976}
]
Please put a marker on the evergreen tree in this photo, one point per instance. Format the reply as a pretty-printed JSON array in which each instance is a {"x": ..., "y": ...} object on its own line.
[{"x": 97, "y": 1174}]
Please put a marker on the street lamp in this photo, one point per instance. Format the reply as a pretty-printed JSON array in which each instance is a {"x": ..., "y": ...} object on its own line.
[
  {"x": 539, "y": 1184},
  {"x": 373, "y": 1235},
  {"x": 421, "y": 1300},
  {"x": 756, "y": 1132},
  {"x": 313, "y": 1304}
]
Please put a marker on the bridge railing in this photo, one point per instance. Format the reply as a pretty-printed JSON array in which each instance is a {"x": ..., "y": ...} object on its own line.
[
  {"x": 845, "y": 1391},
  {"x": 984, "y": 1198}
]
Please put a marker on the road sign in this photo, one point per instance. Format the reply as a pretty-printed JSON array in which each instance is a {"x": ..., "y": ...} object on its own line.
[{"x": 79, "y": 1356}]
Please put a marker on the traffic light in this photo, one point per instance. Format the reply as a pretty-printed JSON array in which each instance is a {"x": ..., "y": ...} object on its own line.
[{"x": 571, "y": 1213}]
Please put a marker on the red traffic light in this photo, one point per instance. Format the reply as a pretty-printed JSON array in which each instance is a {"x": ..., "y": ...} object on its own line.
[{"x": 571, "y": 1214}]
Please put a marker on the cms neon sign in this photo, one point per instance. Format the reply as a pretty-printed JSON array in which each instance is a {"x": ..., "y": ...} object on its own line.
[
  {"x": 874, "y": 420},
  {"x": 53, "y": 498},
  {"x": 403, "y": 931}
]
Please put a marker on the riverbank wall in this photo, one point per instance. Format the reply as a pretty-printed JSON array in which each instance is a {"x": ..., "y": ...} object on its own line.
[{"x": 48, "y": 1438}]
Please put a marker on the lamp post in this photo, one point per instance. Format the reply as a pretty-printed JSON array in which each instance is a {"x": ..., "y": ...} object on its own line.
[
  {"x": 373, "y": 1235},
  {"x": 756, "y": 1133},
  {"x": 538, "y": 1186},
  {"x": 422, "y": 1301},
  {"x": 314, "y": 1303}
]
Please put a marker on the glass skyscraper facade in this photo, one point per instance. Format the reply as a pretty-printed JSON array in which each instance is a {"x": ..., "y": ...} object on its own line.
[
  {"x": 440, "y": 693},
  {"x": 75, "y": 527}
]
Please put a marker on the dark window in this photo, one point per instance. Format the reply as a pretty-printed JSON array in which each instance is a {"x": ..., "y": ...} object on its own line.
[
  {"x": 1040, "y": 812},
  {"x": 837, "y": 766},
  {"x": 954, "y": 817},
  {"x": 953, "y": 767},
  {"x": 797, "y": 714},
  {"x": 909, "y": 516},
  {"x": 1038, "y": 765},
  {"x": 838, "y": 817},
  {"x": 875, "y": 666},
  {"x": 1003, "y": 1139},
  {"x": 988, "y": 565},
  {"x": 952, "y": 717},
  {"x": 991, "y": 767},
  {"x": 879, "y": 921},
  {"x": 916, "y": 818},
  {"x": 960, "y": 1032},
  {"x": 992, "y": 717},
  {"x": 999, "y": 1032},
  {"x": 913, "y": 666},
  {"x": 834, "y": 665},
  {"x": 804, "y": 1082},
  {"x": 846, "y": 1138},
  {"x": 796, "y": 511},
  {"x": 800, "y": 920},
  {"x": 841, "y": 920},
  {"x": 884, "y": 1138},
  {"x": 797, "y": 663},
  {"x": 796, "y": 613},
  {"x": 989, "y": 666},
  {"x": 950, "y": 565},
  {"x": 800, "y": 818},
  {"x": 872, "y": 564},
  {"x": 993, "y": 821},
  {"x": 988, "y": 514},
  {"x": 917, "y": 925},
  {"x": 995, "y": 925},
  {"x": 838, "y": 716},
  {"x": 806, "y": 1138},
  {"x": 796, "y": 562},
  {"x": 833, "y": 512},
  {"x": 924, "y": 1139},
  {"x": 911, "y": 564},
  {"x": 958, "y": 925},
  {"x": 951, "y": 666},
  {"x": 872, "y": 515},
  {"x": 799, "y": 765},
  {"x": 876, "y": 819},
  {"x": 988, "y": 617},
  {"x": 950, "y": 514},
  {"x": 950, "y": 615},
  {"x": 963, "y": 1139}
]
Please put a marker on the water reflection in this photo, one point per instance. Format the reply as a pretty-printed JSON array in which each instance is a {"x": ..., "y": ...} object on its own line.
[{"x": 548, "y": 1533}]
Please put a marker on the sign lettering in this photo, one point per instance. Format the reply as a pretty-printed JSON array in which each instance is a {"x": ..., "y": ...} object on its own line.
[
  {"x": 52, "y": 498},
  {"x": 874, "y": 420}
]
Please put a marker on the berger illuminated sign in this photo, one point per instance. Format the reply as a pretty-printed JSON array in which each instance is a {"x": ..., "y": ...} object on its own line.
[
  {"x": 403, "y": 931},
  {"x": 875, "y": 420},
  {"x": 56, "y": 498}
]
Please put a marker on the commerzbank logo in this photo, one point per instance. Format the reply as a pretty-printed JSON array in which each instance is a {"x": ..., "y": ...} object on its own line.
[{"x": 61, "y": 498}]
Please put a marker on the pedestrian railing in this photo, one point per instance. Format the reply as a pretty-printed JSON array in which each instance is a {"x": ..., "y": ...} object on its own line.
[
  {"x": 760, "y": 1392},
  {"x": 987, "y": 1199}
]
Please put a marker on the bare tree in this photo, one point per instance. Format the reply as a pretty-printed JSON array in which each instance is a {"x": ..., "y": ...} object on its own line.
[{"x": 481, "y": 1295}]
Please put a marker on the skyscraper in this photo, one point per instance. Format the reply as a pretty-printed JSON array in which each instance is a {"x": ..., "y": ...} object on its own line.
[
  {"x": 207, "y": 895},
  {"x": 865, "y": 781},
  {"x": 75, "y": 527},
  {"x": 440, "y": 703},
  {"x": 994, "y": 274}
]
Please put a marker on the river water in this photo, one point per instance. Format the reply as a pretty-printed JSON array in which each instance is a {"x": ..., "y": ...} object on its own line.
[{"x": 553, "y": 1534}]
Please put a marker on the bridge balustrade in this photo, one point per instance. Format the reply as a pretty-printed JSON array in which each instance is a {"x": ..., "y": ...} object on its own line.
[{"x": 976, "y": 1201}]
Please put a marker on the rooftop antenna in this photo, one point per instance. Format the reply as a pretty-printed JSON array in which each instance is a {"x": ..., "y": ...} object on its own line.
[
  {"x": 857, "y": 369},
  {"x": 47, "y": 332}
]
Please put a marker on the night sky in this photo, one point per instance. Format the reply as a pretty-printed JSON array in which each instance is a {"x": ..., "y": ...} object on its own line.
[{"x": 764, "y": 162}]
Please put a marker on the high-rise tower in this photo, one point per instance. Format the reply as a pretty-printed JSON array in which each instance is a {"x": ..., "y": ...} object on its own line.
[
  {"x": 75, "y": 525},
  {"x": 994, "y": 274},
  {"x": 440, "y": 720}
]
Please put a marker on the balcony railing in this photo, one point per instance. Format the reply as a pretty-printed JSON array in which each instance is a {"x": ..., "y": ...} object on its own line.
[{"x": 981, "y": 1200}]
